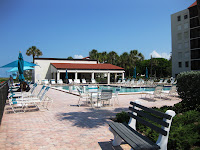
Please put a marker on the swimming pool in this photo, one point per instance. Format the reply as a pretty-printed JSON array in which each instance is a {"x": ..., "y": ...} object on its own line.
[{"x": 122, "y": 89}]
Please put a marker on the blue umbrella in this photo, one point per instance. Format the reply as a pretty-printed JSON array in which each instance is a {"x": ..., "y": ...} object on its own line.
[
  {"x": 146, "y": 75},
  {"x": 15, "y": 69},
  {"x": 15, "y": 64},
  {"x": 21, "y": 67},
  {"x": 66, "y": 76},
  {"x": 134, "y": 73}
]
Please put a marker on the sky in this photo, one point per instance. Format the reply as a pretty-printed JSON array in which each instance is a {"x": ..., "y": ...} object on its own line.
[{"x": 63, "y": 28}]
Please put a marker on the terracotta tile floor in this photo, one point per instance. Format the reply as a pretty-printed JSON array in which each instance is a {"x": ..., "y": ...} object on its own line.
[{"x": 66, "y": 126}]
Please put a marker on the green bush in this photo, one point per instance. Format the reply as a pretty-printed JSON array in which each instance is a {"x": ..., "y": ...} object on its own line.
[
  {"x": 184, "y": 132},
  {"x": 188, "y": 84},
  {"x": 122, "y": 117}
]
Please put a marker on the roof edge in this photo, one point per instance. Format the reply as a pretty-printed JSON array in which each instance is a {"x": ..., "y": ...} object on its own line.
[
  {"x": 64, "y": 59},
  {"x": 194, "y": 4}
]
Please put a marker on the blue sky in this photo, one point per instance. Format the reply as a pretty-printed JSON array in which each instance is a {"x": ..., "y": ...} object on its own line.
[{"x": 62, "y": 28}]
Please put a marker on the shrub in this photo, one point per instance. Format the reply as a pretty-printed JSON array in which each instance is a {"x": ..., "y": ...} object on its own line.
[
  {"x": 122, "y": 117},
  {"x": 188, "y": 84}
]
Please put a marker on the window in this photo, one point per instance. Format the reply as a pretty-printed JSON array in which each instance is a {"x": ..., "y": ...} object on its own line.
[
  {"x": 195, "y": 54},
  {"x": 186, "y": 35},
  {"x": 187, "y": 64},
  {"x": 179, "y": 27},
  {"x": 187, "y": 54},
  {"x": 179, "y": 46},
  {"x": 186, "y": 44},
  {"x": 185, "y": 16},
  {"x": 195, "y": 65},
  {"x": 179, "y": 36},
  {"x": 186, "y": 25},
  {"x": 179, "y": 18},
  {"x": 179, "y": 64},
  {"x": 179, "y": 55}
]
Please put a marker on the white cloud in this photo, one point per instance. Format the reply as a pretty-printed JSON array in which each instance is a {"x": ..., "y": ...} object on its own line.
[
  {"x": 157, "y": 55},
  {"x": 78, "y": 56}
]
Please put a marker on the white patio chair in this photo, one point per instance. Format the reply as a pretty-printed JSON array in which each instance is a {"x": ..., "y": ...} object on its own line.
[
  {"x": 82, "y": 96},
  {"x": 115, "y": 96},
  {"x": 106, "y": 96}
]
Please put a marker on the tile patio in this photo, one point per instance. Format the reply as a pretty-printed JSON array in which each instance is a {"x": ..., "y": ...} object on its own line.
[{"x": 66, "y": 126}]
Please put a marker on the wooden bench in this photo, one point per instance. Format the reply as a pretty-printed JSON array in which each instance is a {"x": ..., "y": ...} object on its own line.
[{"x": 128, "y": 133}]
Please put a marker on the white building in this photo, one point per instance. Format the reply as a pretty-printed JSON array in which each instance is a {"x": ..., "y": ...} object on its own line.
[
  {"x": 185, "y": 31},
  {"x": 55, "y": 68}
]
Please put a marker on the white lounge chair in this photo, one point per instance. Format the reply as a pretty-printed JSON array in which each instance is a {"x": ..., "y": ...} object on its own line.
[
  {"x": 156, "y": 93},
  {"x": 78, "y": 81},
  {"x": 70, "y": 81},
  {"x": 118, "y": 82},
  {"x": 93, "y": 81},
  {"x": 171, "y": 92},
  {"x": 84, "y": 81},
  {"x": 60, "y": 81},
  {"x": 53, "y": 81},
  {"x": 132, "y": 82},
  {"x": 39, "y": 101},
  {"x": 45, "y": 81}
]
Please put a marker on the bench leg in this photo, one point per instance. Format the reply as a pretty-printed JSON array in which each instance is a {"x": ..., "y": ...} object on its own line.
[{"x": 117, "y": 140}]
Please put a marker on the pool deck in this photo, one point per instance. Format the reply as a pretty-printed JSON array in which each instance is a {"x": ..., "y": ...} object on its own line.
[{"x": 66, "y": 126}]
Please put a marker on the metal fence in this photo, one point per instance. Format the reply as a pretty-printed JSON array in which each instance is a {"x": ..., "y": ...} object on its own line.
[{"x": 3, "y": 96}]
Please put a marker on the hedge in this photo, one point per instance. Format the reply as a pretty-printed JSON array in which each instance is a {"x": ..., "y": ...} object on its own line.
[{"x": 188, "y": 87}]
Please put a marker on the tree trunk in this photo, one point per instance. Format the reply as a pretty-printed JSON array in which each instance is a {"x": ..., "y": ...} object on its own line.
[{"x": 33, "y": 58}]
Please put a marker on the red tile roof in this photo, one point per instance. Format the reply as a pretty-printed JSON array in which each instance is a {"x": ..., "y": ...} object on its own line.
[
  {"x": 194, "y": 4},
  {"x": 86, "y": 66}
]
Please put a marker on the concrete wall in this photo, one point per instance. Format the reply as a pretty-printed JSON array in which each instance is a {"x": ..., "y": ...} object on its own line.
[
  {"x": 180, "y": 31},
  {"x": 44, "y": 70}
]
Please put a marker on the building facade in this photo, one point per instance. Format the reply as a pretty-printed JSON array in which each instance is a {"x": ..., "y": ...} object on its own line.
[
  {"x": 55, "y": 68},
  {"x": 185, "y": 29}
]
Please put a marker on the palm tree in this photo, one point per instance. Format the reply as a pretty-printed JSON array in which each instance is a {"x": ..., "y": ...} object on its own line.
[
  {"x": 112, "y": 57},
  {"x": 93, "y": 54},
  {"x": 35, "y": 52},
  {"x": 70, "y": 57}
]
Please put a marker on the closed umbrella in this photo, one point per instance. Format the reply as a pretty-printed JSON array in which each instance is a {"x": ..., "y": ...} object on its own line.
[
  {"x": 21, "y": 67},
  {"x": 66, "y": 75},
  {"x": 134, "y": 73},
  {"x": 146, "y": 75}
]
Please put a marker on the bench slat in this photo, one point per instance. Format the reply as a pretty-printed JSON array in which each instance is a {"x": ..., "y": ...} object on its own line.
[
  {"x": 132, "y": 137},
  {"x": 159, "y": 130},
  {"x": 159, "y": 121},
  {"x": 160, "y": 114}
]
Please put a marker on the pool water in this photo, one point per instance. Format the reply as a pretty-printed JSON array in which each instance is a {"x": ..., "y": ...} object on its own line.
[{"x": 122, "y": 89}]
